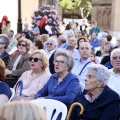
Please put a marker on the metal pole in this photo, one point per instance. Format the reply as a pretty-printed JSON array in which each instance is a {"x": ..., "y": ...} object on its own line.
[
  {"x": 73, "y": 13},
  {"x": 19, "y": 24}
]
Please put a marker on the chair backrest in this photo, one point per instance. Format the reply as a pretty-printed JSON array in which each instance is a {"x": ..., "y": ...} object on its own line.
[
  {"x": 52, "y": 105},
  {"x": 12, "y": 94}
]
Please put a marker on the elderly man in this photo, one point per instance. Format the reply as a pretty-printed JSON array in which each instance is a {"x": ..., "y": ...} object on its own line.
[
  {"x": 50, "y": 50},
  {"x": 72, "y": 41},
  {"x": 13, "y": 41},
  {"x": 4, "y": 42},
  {"x": 114, "y": 81},
  {"x": 61, "y": 42},
  {"x": 80, "y": 67}
]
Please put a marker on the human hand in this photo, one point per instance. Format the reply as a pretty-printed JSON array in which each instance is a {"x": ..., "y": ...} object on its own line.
[{"x": 8, "y": 72}]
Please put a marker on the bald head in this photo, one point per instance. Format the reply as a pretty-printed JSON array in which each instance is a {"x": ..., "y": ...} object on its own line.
[{"x": 85, "y": 50}]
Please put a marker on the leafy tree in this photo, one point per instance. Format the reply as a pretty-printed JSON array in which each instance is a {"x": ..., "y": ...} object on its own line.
[{"x": 84, "y": 6}]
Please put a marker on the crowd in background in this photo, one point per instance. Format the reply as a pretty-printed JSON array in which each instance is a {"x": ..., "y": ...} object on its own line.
[{"x": 82, "y": 63}]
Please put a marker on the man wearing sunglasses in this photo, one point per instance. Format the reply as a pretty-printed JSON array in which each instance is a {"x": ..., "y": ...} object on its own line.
[
  {"x": 114, "y": 81},
  {"x": 50, "y": 50}
]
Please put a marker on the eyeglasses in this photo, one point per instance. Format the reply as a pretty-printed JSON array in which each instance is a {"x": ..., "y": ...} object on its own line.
[
  {"x": 22, "y": 45},
  {"x": 60, "y": 62},
  {"x": 35, "y": 59},
  {"x": 116, "y": 57},
  {"x": 49, "y": 44}
]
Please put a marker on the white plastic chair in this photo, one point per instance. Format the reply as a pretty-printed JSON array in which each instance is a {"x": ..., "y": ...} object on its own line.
[
  {"x": 50, "y": 105},
  {"x": 12, "y": 94}
]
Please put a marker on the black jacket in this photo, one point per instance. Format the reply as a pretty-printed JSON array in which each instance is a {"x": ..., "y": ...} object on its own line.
[{"x": 5, "y": 57}]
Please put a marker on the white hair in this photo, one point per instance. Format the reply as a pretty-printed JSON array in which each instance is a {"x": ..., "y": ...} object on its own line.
[
  {"x": 102, "y": 72},
  {"x": 53, "y": 40},
  {"x": 114, "y": 51}
]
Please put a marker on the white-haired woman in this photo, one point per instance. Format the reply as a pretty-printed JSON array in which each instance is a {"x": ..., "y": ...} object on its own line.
[
  {"x": 63, "y": 85},
  {"x": 99, "y": 101}
]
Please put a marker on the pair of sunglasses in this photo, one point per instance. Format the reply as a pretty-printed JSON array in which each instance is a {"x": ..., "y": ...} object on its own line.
[
  {"x": 35, "y": 59},
  {"x": 22, "y": 45}
]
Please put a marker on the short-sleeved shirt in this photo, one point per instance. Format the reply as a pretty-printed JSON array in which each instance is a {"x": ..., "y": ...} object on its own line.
[{"x": 5, "y": 89}]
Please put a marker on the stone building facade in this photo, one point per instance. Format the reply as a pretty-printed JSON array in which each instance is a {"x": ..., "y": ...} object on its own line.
[{"x": 106, "y": 12}]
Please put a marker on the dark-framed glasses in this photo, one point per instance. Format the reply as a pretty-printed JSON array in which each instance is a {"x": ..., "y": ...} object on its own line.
[{"x": 35, "y": 59}]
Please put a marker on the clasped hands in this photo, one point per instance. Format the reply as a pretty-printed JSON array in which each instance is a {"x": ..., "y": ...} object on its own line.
[{"x": 8, "y": 72}]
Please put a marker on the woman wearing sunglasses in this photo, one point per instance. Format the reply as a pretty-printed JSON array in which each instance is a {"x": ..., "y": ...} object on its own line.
[
  {"x": 34, "y": 79},
  {"x": 19, "y": 62}
]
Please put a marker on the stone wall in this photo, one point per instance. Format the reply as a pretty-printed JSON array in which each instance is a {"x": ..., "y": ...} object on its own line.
[
  {"x": 106, "y": 12},
  {"x": 102, "y": 13}
]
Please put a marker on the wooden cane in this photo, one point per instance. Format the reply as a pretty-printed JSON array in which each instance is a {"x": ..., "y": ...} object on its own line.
[{"x": 71, "y": 107}]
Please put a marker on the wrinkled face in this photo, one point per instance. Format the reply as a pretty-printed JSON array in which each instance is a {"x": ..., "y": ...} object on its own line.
[
  {"x": 22, "y": 47},
  {"x": 71, "y": 42},
  {"x": 2, "y": 45},
  {"x": 35, "y": 62},
  {"x": 91, "y": 81},
  {"x": 85, "y": 51},
  {"x": 60, "y": 64},
  {"x": 50, "y": 45},
  {"x": 115, "y": 60}
]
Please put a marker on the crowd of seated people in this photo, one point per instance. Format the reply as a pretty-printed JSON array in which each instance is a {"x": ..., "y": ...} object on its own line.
[{"x": 71, "y": 67}]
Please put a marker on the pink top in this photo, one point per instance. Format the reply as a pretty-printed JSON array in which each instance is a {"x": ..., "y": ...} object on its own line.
[{"x": 32, "y": 86}]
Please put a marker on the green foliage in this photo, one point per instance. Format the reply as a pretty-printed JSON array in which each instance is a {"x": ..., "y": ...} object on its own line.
[{"x": 84, "y": 6}]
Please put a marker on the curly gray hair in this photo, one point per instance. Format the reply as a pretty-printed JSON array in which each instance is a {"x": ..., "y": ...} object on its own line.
[
  {"x": 68, "y": 56},
  {"x": 102, "y": 72}
]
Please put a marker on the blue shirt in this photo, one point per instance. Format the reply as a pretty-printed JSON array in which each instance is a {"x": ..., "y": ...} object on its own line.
[
  {"x": 78, "y": 66},
  {"x": 66, "y": 91},
  {"x": 94, "y": 43},
  {"x": 5, "y": 89}
]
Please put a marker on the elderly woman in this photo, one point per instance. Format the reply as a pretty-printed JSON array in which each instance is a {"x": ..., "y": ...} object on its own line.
[
  {"x": 106, "y": 53},
  {"x": 36, "y": 78},
  {"x": 62, "y": 85},
  {"x": 4, "y": 42},
  {"x": 99, "y": 101},
  {"x": 5, "y": 93},
  {"x": 21, "y": 111},
  {"x": 37, "y": 45},
  {"x": 19, "y": 62}
]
